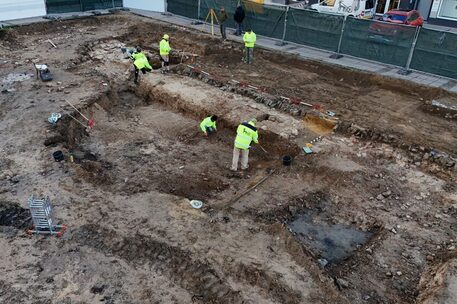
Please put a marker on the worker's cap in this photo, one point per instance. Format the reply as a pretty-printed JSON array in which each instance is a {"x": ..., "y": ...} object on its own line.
[
  {"x": 253, "y": 122},
  {"x": 166, "y": 37},
  {"x": 138, "y": 49},
  {"x": 222, "y": 9}
]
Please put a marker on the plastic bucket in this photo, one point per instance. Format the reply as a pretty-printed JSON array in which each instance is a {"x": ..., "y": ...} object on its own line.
[
  {"x": 286, "y": 160},
  {"x": 58, "y": 156}
]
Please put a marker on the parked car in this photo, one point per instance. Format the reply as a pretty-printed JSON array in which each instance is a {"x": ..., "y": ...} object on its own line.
[
  {"x": 408, "y": 17},
  {"x": 392, "y": 26}
]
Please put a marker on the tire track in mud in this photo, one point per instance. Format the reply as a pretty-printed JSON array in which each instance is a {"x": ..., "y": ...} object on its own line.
[
  {"x": 269, "y": 283},
  {"x": 193, "y": 275}
]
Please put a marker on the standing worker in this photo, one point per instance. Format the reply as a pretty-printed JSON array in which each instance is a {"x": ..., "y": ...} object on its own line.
[
  {"x": 165, "y": 50},
  {"x": 140, "y": 62},
  {"x": 245, "y": 134},
  {"x": 249, "y": 39},
  {"x": 208, "y": 125},
  {"x": 239, "y": 17},
  {"x": 222, "y": 18}
]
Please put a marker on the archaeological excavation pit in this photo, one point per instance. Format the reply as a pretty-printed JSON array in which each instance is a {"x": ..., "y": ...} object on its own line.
[
  {"x": 154, "y": 142},
  {"x": 376, "y": 198}
]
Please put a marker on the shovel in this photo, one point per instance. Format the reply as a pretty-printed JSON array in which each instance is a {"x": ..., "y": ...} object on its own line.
[{"x": 266, "y": 152}]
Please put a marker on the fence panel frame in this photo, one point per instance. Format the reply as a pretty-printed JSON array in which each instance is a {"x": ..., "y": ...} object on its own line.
[{"x": 395, "y": 44}]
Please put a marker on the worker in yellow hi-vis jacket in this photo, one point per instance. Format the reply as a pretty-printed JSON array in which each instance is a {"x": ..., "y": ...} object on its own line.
[
  {"x": 245, "y": 134},
  {"x": 249, "y": 39},
  {"x": 165, "y": 50},
  {"x": 208, "y": 125}
]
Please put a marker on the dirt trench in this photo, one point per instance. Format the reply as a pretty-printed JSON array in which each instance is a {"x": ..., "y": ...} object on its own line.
[
  {"x": 120, "y": 103},
  {"x": 194, "y": 275}
]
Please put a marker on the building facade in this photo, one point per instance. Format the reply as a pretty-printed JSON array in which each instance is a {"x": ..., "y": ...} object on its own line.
[{"x": 442, "y": 12}]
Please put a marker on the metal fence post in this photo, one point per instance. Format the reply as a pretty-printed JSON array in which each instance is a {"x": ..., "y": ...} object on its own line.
[
  {"x": 282, "y": 43},
  {"x": 113, "y": 3},
  {"x": 337, "y": 55},
  {"x": 81, "y": 5},
  {"x": 197, "y": 22},
  {"x": 406, "y": 70}
]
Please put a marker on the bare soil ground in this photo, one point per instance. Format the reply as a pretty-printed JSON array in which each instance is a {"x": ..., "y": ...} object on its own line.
[{"x": 370, "y": 217}]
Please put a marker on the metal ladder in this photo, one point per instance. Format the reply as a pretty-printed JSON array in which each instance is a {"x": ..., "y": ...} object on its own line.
[{"x": 43, "y": 217}]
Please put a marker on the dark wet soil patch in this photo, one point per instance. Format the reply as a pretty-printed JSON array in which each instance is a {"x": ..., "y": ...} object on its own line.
[
  {"x": 11, "y": 214},
  {"x": 332, "y": 242}
]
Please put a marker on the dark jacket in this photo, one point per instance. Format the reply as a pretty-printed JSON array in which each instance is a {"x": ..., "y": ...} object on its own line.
[
  {"x": 222, "y": 17},
  {"x": 239, "y": 14}
]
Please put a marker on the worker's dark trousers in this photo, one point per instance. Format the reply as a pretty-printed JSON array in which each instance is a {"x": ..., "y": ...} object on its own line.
[
  {"x": 210, "y": 130},
  {"x": 223, "y": 31},
  {"x": 137, "y": 71},
  {"x": 249, "y": 55},
  {"x": 239, "y": 29}
]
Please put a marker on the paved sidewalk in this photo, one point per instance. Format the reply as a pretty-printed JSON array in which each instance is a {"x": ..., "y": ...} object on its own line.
[
  {"x": 317, "y": 54},
  {"x": 273, "y": 44},
  {"x": 441, "y": 28}
]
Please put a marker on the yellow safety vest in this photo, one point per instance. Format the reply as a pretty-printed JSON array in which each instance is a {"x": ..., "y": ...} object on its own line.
[
  {"x": 245, "y": 134},
  {"x": 164, "y": 47},
  {"x": 141, "y": 61},
  {"x": 207, "y": 123},
  {"x": 249, "y": 39}
]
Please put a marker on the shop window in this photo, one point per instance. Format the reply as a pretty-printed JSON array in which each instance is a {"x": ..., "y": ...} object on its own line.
[{"x": 448, "y": 9}]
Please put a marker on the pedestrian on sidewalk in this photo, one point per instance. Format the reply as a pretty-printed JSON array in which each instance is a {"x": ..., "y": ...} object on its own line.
[
  {"x": 239, "y": 17},
  {"x": 165, "y": 50},
  {"x": 222, "y": 18},
  {"x": 140, "y": 63},
  {"x": 245, "y": 134},
  {"x": 208, "y": 125},
  {"x": 249, "y": 39}
]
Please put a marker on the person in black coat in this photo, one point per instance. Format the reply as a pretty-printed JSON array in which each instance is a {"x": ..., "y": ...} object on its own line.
[{"x": 239, "y": 17}]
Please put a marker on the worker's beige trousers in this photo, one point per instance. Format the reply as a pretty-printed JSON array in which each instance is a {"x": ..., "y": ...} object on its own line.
[{"x": 244, "y": 158}]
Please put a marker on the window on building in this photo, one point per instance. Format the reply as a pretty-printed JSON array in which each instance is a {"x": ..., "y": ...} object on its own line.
[{"x": 448, "y": 9}]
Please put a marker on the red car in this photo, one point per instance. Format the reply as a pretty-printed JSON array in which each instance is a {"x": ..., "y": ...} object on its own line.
[{"x": 407, "y": 17}]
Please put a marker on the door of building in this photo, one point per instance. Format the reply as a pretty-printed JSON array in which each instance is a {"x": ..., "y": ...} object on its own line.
[{"x": 383, "y": 6}]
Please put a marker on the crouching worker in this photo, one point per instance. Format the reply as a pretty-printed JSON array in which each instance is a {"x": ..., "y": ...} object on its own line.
[
  {"x": 208, "y": 125},
  {"x": 245, "y": 134},
  {"x": 140, "y": 62}
]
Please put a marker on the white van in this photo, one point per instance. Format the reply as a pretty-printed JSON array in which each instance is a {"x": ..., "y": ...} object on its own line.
[{"x": 355, "y": 8}]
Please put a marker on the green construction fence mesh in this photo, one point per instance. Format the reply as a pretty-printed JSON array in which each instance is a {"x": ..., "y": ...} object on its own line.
[
  {"x": 379, "y": 41},
  {"x": 314, "y": 29},
  {"x": 216, "y": 5},
  {"x": 436, "y": 53},
  {"x": 186, "y": 8},
  {"x": 265, "y": 20},
  {"x": 262, "y": 19},
  {"x": 68, "y": 6}
]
